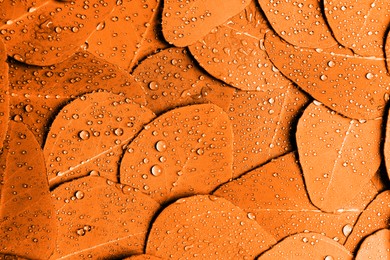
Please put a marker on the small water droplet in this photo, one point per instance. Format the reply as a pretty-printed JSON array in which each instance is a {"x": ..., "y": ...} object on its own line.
[
  {"x": 100, "y": 26},
  {"x": 79, "y": 194},
  {"x": 84, "y": 135},
  {"x": 369, "y": 75},
  {"x": 80, "y": 232},
  {"x": 323, "y": 77},
  {"x": 118, "y": 131},
  {"x": 156, "y": 170},
  {"x": 153, "y": 85},
  {"x": 28, "y": 108},
  {"x": 161, "y": 146},
  {"x": 347, "y": 229},
  {"x": 251, "y": 215}
]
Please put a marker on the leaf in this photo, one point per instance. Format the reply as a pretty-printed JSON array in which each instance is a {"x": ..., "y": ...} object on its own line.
[
  {"x": 348, "y": 149},
  {"x": 234, "y": 53},
  {"x": 299, "y": 23},
  {"x": 119, "y": 39},
  {"x": 263, "y": 123},
  {"x": 184, "y": 23},
  {"x": 171, "y": 79},
  {"x": 359, "y": 25},
  {"x": 38, "y": 93},
  {"x": 183, "y": 152},
  {"x": 27, "y": 223},
  {"x": 88, "y": 136},
  {"x": 274, "y": 195},
  {"x": 4, "y": 97},
  {"x": 98, "y": 218},
  {"x": 374, "y": 217},
  {"x": 9, "y": 10},
  {"x": 211, "y": 227},
  {"x": 375, "y": 246},
  {"x": 307, "y": 246},
  {"x": 386, "y": 147},
  {"x": 334, "y": 76},
  {"x": 50, "y": 33}
]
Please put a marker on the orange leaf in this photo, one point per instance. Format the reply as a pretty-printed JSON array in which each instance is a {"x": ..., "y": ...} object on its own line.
[
  {"x": 38, "y": 93},
  {"x": 120, "y": 38},
  {"x": 375, "y": 246},
  {"x": 184, "y": 23},
  {"x": 88, "y": 136},
  {"x": 234, "y": 53},
  {"x": 299, "y": 23},
  {"x": 98, "y": 218},
  {"x": 10, "y": 10},
  {"x": 374, "y": 217},
  {"x": 307, "y": 246},
  {"x": 183, "y": 152},
  {"x": 274, "y": 195},
  {"x": 348, "y": 149},
  {"x": 50, "y": 33},
  {"x": 211, "y": 227},
  {"x": 359, "y": 25},
  {"x": 27, "y": 224},
  {"x": 263, "y": 123},
  {"x": 170, "y": 79},
  {"x": 386, "y": 147},
  {"x": 4, "y": 96},
  {"x": 334, "y": 76}
]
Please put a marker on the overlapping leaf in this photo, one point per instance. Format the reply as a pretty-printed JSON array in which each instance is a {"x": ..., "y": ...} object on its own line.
[
  {"x": 375, "y": 246},
  {"x": 234, "y": 53},
  {"x": 183, "y": 152},
  {"x": 274, "y": 195},
  {"x": 334, "y": 76},
  {"x": 307, "y": 246},
  {"x": 263, "y": 124},
  {"x": 89, "y": 134},
  {"x": 212, "y": 228},
  {"x": 171, "y": 79},
  {"x": 38, "y": 93},
  {"x": 186, "y": 22},
  {"x": 300, "y": 23},
  {"x": 348, "y": 149},
  {"x": 360, "y": 25},
  {"x": 98, "y": 218},
  {"x": 4, "y": 97},
  {"x": 53, "y": 31},
  {"x": 27, "y": 224}
]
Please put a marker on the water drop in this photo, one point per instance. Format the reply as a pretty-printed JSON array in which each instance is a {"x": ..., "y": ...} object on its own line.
[
  {"x": 100, "y": 26},
  {"x": 161, "y": 146},
  {"x": 251, "y": 215},
  {"x": 369, "y": 75},
  {"x": 79, "y": 194},
  {"x": 153, "y": 85},
  {"x": 80, "y": 232},
  {"x": 84, "y": 135},
  {"x": 118, "y": 131},
  {"x": 156, "y": 170},
  {"x": 347, "y": 229},
  {"x": 28, "y": 108}
]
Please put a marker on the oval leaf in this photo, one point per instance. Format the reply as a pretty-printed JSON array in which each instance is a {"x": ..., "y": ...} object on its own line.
[
  {"x": 386, "y": 147},
  {"x": 359, "y": 25},
  {"x": 227, "y": 234},
  {"x": 234, "y": 53},
  {"x": 38, "y": 93},
  {"x": 27, "y": 224},
  {"x": 183, "y": 152},
  {"x": 274, "y": 195},
  {"x": 88, "y": 136},
  {"x": 299, "y": 23},
  {"x": 184, "y": 23},
  {"x": 375, "y": 246},
  {"x": 307, "y": 246},
  {"x": 374, "y": 217},
  {"x": 263, "y": 123},
  {"x": 50, "y": 33},
  {"x": 4, "y": 96},
  {"x": 98, "y": 218},
  {"x": 170, "y": 79},
  {"x": 334, "y": 76},
  {"x": 349, "y": 152},
  {"x": 118, "y": 39}
]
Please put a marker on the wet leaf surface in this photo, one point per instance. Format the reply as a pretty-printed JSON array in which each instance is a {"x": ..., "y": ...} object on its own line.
[
  {"x": 27, "y": 224},
  {"x": 274, "y": 195},
  {"x": 38, "y": 93},
  {"x": 183, "y": 152},
  {"x": 184, "y": 23},
  {"x": 375, "y": 246},
  {"x": 348, "y": 149},
  {"x": 263, "y": 123},
  {"x": 374, "y": 217},
  {"x": 334, "y": 76},
  {"x": 89, "y": 135},
  {"x": 4, "y": 97},
  {"x": 300, "y": 23},
  {"x": 171, "y": 79},
  {"x": 143, "y": 257},
  {"x": 53, "y": 31},
  {"x": 98, "y": 218},
  {"x": 234, "y": 53},
  {"x": 10, "y": 10},
  {"x": 359, "y": 25},
  {"x": 307, "y": 246},
  {"x": 213, "y": 228}
]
